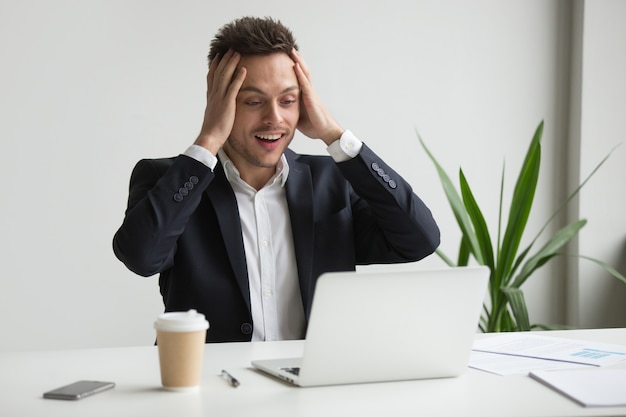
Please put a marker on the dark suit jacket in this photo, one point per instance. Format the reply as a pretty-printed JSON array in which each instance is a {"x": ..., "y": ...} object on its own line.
[{"x": 182, "y": 222}]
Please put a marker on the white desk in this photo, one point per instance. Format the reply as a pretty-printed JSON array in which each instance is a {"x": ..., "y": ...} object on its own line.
[{"x": 24, "y": 376}]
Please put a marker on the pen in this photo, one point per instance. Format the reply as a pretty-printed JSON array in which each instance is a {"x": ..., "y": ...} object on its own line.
[{"x": 231, "y": 379}]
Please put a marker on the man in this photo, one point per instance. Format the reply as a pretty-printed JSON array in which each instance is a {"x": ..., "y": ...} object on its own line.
[{"x": 240, "y": 227}]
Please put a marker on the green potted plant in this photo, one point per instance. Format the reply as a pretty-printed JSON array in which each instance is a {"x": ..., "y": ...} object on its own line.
[{"x": 510, "y": 267}]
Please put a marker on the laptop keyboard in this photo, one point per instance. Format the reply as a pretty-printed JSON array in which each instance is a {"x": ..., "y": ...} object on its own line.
[{"x": 295, "y": 371}]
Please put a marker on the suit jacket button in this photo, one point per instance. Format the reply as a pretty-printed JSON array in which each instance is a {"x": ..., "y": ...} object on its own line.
[
  {"x": 183, "y": 191},
  {"x": 392, "y": 184},
  {"x": 375, "y": 166},
  {"x": 193, "y": 179},
  {"x": 246, "y": 328},
  {"x": 188, "y": 185},
  {"x": 178, "y": 198}
]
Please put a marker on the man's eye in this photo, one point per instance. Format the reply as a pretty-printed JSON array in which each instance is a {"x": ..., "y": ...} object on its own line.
[
  {"x": 253, "y": 103},
  {"x": 287, "y": 102}
]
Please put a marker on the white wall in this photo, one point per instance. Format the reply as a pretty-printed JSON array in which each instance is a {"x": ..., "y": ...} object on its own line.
[{"x": 89, "y": 87}]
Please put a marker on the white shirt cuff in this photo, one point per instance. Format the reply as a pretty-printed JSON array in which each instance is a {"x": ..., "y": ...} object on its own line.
[
  {"x": 347, "y": 147},
  {"x": 201, "y": 154}
]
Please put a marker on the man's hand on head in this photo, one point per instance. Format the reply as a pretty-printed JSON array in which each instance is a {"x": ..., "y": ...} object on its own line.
[
  {"x": 223, "y": 84},
  {"x": 315, "y": 120}
]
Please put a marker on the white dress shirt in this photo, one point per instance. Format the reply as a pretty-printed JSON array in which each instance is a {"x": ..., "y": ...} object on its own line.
[{"x": 275, "y": 298}]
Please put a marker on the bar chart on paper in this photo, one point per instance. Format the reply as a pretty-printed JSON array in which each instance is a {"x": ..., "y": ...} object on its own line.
[
  {"x": 552, "y": 348},
  {"x": 596, "y": 354}
]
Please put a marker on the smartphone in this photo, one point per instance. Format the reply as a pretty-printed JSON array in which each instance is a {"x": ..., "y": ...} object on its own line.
[{"x": 78, "y": 390}]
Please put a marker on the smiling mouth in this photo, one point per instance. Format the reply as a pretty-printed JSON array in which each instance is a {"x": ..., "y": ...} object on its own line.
[{"x": 269, "y": 138}]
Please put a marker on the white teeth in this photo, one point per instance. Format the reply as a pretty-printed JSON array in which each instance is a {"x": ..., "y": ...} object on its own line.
[{"x": 268, "y": 137}]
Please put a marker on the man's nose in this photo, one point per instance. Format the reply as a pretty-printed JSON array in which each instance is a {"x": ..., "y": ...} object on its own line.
[{"x": 272, "y": 115}]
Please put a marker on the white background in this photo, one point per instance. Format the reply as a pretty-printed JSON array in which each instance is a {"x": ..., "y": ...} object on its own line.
[{"x": 88, "y": 87}]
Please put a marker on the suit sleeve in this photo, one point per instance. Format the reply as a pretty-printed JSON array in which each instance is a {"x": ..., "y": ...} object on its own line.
[
  {"x": 163, "y": 194},
  {"x": 391, "y": 223}
]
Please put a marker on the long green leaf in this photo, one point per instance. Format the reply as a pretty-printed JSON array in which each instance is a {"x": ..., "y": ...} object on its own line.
[
  {"x": 515, "y": 296},
  {"x": 478, "y": 221},
  {"x": 549, "y": 250},
  {"x": 523, "y": 254},
  {"x": 495, "y": 279},
  {"x": 521, "y": 204},
  {"x": 571, "y": 196},
  {"x": 607, "y": 267},
  {"x": 500, "y": 207},
  {"x": 520, "y": 258},
  {"x": 519, "y": 211},
  {"x": 460, "y": 213},
  {"x": 464, "y": 252}
]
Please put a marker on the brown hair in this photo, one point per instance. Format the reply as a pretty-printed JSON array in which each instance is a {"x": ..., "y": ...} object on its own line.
[{"x": 253, "y": 36}]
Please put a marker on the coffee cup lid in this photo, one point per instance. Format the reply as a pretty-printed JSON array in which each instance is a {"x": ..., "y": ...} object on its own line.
[{"x": 181, "y": 321}]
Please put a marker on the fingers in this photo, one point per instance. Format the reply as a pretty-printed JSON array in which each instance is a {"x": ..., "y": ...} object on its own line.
[
  {"x": 221, "y": 72},
  {"x": 315, "y": 120},
  {"x": 211, "y": 74},
  {"x": 295, "y": 55},
  {"x": 224, "y": 81},
  {"x": 302, "y": 72},
  {"x": 236, "y": 84},
  {"x": 303, "y": 80}
]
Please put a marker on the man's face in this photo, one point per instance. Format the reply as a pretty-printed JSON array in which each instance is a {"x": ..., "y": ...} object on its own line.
[{"x": 267, "y": 113}]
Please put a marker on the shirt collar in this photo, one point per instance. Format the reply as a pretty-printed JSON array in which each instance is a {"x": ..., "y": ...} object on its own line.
[{"x": 232, "y": 173}]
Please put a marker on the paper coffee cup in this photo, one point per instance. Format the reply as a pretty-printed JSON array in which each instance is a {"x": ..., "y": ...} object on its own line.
[{"x": 180, "y": 340}]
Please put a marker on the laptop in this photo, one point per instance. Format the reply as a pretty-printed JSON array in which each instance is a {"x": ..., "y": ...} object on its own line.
[{"x": 387, "y": 326}]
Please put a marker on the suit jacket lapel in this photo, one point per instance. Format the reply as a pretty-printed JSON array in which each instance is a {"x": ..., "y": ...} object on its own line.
[
  {"x": 225, "y": 205},
  {"x": 299, "y": 193}
]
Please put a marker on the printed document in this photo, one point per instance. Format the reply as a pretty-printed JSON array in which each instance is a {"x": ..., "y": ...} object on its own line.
[
  {"x": 520, "y": 353},
  {"x": 554, "y": 348}
]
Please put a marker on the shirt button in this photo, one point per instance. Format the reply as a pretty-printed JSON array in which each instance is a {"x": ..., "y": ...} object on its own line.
[
  {"x": 246, "y": 328},
  {"x": 268, "y": 292}
]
